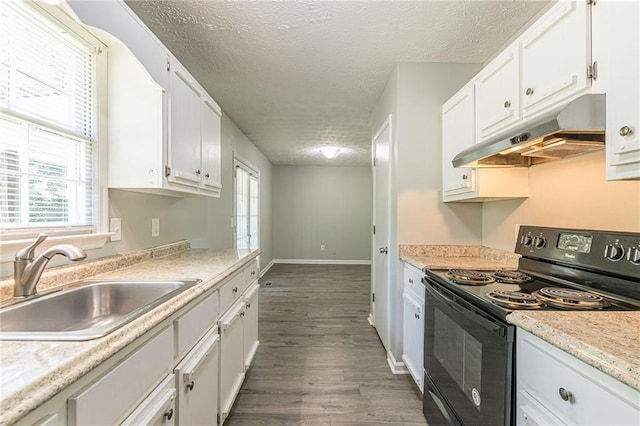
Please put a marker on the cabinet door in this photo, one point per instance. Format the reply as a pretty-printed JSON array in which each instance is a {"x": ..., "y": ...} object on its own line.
[
  {"x": 211, "y": 145},
  {"x": 197, "y": 383},
  {"x": 497, "y": 94},
  {"x": 251, "y": 325},
  {"x": 457, "y": 135},
  {"x": 231, "y": 327},
  {"x": 555, "y": 54},
  {"x": 623, "y": 90},
  {"x": 184, "y": 127},
  {"x": 413, "y": 338},
  {"x": 158, "y": 409}
]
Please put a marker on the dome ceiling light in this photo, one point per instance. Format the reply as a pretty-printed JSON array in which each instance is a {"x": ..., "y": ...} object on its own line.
[{"x": 330, "y": 152}]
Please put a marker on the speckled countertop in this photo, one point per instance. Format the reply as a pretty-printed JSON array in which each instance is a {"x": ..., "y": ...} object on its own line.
[
  {"x": 33, "y": 372},
  {"x": 461, "y": 257},
  {"x": 609, "y": 341}
]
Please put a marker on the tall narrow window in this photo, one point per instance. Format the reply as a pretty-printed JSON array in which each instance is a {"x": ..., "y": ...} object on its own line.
[
  {"x": 48, "y": 152},
  {"x": 247, "y": 205}
]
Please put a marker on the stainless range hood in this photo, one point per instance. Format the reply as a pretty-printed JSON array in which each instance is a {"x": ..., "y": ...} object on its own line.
[{"x": 576, "y": 128}]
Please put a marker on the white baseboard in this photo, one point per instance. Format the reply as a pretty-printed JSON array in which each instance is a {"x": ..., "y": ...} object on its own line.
[
  {"x": 370, "y": 319},
  {"x": 265, "y": 269},
  {"x": 322, "y": 262},
  {"x": 397, "y": 367}
]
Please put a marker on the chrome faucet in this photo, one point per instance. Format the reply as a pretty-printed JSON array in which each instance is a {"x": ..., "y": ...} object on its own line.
[{"x": 27, "y": 270}]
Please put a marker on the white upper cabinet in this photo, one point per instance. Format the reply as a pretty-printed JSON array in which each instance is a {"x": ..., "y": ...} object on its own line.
[
  {"x": 622, "y": 39},
  {"x": 555, "y": 55},
  {"x": 211, "y": 138},
  {"x": 498, "y": 94}
]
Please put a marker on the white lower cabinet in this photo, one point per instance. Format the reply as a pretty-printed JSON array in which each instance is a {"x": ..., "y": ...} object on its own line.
[
  {"x": 554, "y": 387},
  {"x": 413, "y": 324},
  {"x": 232, "y": 369},
  {"x": 196, "y": 381},
  {"x": 159, "y": 408},
  {"x": 251, "y": 324}
]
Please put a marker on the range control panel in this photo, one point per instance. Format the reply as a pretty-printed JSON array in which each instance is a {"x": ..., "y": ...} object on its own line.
[{"x": 616, "y": 252}]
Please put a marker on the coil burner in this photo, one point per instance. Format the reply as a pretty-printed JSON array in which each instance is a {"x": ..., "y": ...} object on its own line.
[
  {"x": 570, "y": 298},
  {"x": 511, "y": 277},
  {"x": 464, "y": 277},
  {"x": 514, "y": 299}
]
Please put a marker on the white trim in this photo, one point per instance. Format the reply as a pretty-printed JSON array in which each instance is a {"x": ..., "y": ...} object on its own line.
[
  {"x": 321, "y": 262},
  {"x": 84, "y": 241},
  {"x": 397, "y": 367},
  {"x": 266, "y": 269}
]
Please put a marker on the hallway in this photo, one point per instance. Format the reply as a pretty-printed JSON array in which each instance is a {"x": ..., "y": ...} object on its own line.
[{"x": 319, "y": 361}]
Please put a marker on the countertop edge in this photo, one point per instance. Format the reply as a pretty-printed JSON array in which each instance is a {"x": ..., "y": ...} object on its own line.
[
  {"x": 614, "y": 367},
  {"x": 38, "y": 392}
]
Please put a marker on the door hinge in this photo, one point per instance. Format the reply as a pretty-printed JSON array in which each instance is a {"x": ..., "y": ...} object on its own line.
[
  {"x": 374, "y": 230},
  {"x": 592, "y": 2},
  {"x": 168, "y": 65},
  {"x": 373, "y": 297},
  {"x": 167, "y": 171},
  {"x": 374, "y": 161},
  {"x": 592, "y": 71}
]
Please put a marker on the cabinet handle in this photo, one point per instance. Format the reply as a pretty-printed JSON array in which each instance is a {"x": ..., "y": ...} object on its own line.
[
  {"x": 191, "y": 385},
  {"x": 410, "y": 280},
  {"x": 565, "y": 395},
  {"x": 465, "y": 177},
  {"x": 207, "y": 175},
  {"x": 169, "y": 414},
  {"x": 242, "y": 313},
  {"x": 417, "y": 316},
  {"x": 198, "y": 172},
  {"x": 248, "y": 305},
  {"x": 507, "y": 104},
  {"x": 235, "y": 289},
  {"x": 253, "y": 272},
  {"x": 529, "y": 91},
  {"x": 625, "y": 131}
]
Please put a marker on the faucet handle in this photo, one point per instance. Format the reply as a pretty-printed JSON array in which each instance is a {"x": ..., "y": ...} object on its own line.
[{"x": 28, "y": 253}]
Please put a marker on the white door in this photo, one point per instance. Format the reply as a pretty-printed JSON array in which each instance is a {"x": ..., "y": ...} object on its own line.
[
  {"x": 247, "y": 204},
  {"x": 380, "y": 278}
]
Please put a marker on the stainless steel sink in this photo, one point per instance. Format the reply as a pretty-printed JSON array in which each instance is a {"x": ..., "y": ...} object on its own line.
[{"x": 85, "y": 310}]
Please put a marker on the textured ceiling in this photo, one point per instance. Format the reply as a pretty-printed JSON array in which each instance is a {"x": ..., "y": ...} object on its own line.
[{"x": 295, "y": 75}]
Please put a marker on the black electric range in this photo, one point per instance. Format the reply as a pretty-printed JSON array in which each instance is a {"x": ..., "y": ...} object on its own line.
[{"x": 469, "y": 345}]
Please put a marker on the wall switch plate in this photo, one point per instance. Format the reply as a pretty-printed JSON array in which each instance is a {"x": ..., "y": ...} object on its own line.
[
  {"x": 322, "y": 247},
  {"x": 115, "y": 226},
  {"x": 155, "y": 227}
]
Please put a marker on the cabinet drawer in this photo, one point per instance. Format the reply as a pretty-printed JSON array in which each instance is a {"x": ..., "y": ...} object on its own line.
[
  {"x": 251, "y": 273},
  {"x": 544, "y": 372},
  {"x": 413, "y": 282},
  {"x": 128, "y": 380},
  {"x": 193, "y": 324},
  {"x": 231, "y": 291},
  {"x": 159, "y": 408}
]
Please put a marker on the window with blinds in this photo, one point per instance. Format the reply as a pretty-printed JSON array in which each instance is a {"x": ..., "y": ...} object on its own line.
[
  {"x": 48, "y": 158},
  {"x": 247, "y": 209}
]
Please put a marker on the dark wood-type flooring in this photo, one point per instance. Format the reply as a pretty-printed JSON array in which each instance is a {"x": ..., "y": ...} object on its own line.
[{"x": 319, "y": 361}]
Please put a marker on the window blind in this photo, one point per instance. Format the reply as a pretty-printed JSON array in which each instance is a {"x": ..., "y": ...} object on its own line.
[{"x": 47, "y": 119}]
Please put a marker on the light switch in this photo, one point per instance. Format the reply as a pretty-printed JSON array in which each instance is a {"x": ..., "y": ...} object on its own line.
[
  {"x": 155, "y": 227},
  {"x": 115, "y": 226}
]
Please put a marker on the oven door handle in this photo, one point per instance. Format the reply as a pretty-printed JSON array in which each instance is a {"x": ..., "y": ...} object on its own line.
[{"x": 469, "y": 311}]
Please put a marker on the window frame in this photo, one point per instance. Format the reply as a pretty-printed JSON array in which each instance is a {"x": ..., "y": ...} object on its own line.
[
  {"x": 84, "y": 237},
  {"x": 241, "y": 162}
]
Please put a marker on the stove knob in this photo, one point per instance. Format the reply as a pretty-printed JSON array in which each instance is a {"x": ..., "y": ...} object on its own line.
[
  {"x": 614, "y": 253},
  {"x": 540, "y": 242},
  {"x": 633, "y": 255},
  {"x": 528, "y": 240}
]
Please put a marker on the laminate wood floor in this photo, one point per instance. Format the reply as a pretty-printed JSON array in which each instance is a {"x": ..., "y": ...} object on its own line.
[{"x": 319, "y": 361}]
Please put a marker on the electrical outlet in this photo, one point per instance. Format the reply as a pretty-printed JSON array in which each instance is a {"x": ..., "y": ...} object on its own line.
[
  {"x": 322, "y": 247},
  {"x": 115, "y": 226},
  {"x": 155, "y": 227}
]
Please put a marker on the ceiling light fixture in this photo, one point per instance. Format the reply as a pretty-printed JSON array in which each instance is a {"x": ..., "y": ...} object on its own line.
[{"x": 330, "y": 152}]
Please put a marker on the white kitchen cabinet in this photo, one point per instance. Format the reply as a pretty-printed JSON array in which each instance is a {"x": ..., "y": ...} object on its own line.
[
  {"x": 473, "y": 184},
  {"x": 554, "y": 387},
  {"x": 251, "y": 324},
  {"x": 413, "y": 324},
  {"x": 211, "y": 145},
  {"x": 158, "y": 409},
  {"x": 232, "y": 368},
  {"x": 497, "y": 91},
  {"x": 555, "y": 53},
  {"x": 197, "y": 378},
  {"x": 130, "y": 380},
  {"x": 622, "y": 34}
]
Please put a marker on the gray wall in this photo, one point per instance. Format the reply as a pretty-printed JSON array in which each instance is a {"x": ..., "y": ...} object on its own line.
[
  {"x": 206, "y": 222},
  {"x": 313, "y": 206}
]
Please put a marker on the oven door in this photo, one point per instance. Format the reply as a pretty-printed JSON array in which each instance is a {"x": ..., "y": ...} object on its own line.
[{"x": 468, "y": 362}]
